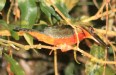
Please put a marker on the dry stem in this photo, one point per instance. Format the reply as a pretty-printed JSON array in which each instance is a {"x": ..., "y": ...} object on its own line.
[{"x": 39, "y": 46}]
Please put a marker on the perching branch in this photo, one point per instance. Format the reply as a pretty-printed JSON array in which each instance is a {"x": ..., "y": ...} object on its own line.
[{"x": 39, "y": 46}]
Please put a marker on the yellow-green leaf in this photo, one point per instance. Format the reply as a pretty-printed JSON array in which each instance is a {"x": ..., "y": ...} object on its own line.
[
  {"x": 28, "y": 38},
  {"x": 2, "y": 4},
  {"x": 15, "y": 67}
]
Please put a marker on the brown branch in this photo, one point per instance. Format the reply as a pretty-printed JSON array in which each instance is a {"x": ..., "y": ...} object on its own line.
[
  {"x": 9, "y": 11},
  {"x": 109, "y": 33},
  {"x": 101, "y": 8},
  {"x": 25, "y": 47},
  {"x": 96, "y": 4},
  {"x": 93, "y": 58},
  {"x": 39, "y": 46},
  {"x": 55, "y": 63},
  {"x": 95, "y": 17}
]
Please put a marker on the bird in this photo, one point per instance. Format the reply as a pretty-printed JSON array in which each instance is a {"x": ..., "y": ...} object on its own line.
[{"x": 62, "y": 36}]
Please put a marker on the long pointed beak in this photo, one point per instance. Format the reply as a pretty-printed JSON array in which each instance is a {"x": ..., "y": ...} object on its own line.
[{"x": 90, "y": 34}]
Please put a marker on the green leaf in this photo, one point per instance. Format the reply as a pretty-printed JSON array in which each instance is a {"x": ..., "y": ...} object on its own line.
[
  {"x": 108, "y": 71},
  {"x": 97, "y": 51},
  {"x": 29, "y": 12},
  {"x": 110, "y": 50},
  {"x": 45, "y": 9},
  {"x": 93, "y": 68},
  {"x": 14, "y": 35},
  {"x": 28, "y": 38},
  {"x": 2, "y": 4},
  {"x": 70, "y": 69},
  {"x": 48, "y": 11},
  {"x": 63, "y": 9},
  {"x": 15, "y": 67},
  {"x": 3, "y": 24}
]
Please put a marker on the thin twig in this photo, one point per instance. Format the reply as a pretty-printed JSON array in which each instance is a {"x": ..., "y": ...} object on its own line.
[
  {"x": 39, "y": 46},
  {"x": 55, "y": 63},
  {"x": 93, "y": 58},
  {"x": 98, "y": 16},
  {"x": 101, "y": 8},
  {"x": 96, "y": 4},
  {"x": 107, "y": 26},
  {"x": 9, "y": 11},
  {"x": 109, "y": 33}
]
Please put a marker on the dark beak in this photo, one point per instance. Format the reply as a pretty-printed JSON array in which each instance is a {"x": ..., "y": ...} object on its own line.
[{"x": 95, "y": 36}]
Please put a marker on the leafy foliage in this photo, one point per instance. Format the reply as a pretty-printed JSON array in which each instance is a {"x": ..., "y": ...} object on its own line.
[
  {"x": 38, "y": 14},
  {"x": 15, "y": 67},
  {"x": 2, "y": 4},
  {"x": 93, "y": 68},
  {"x": 29, "y": 12}
]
